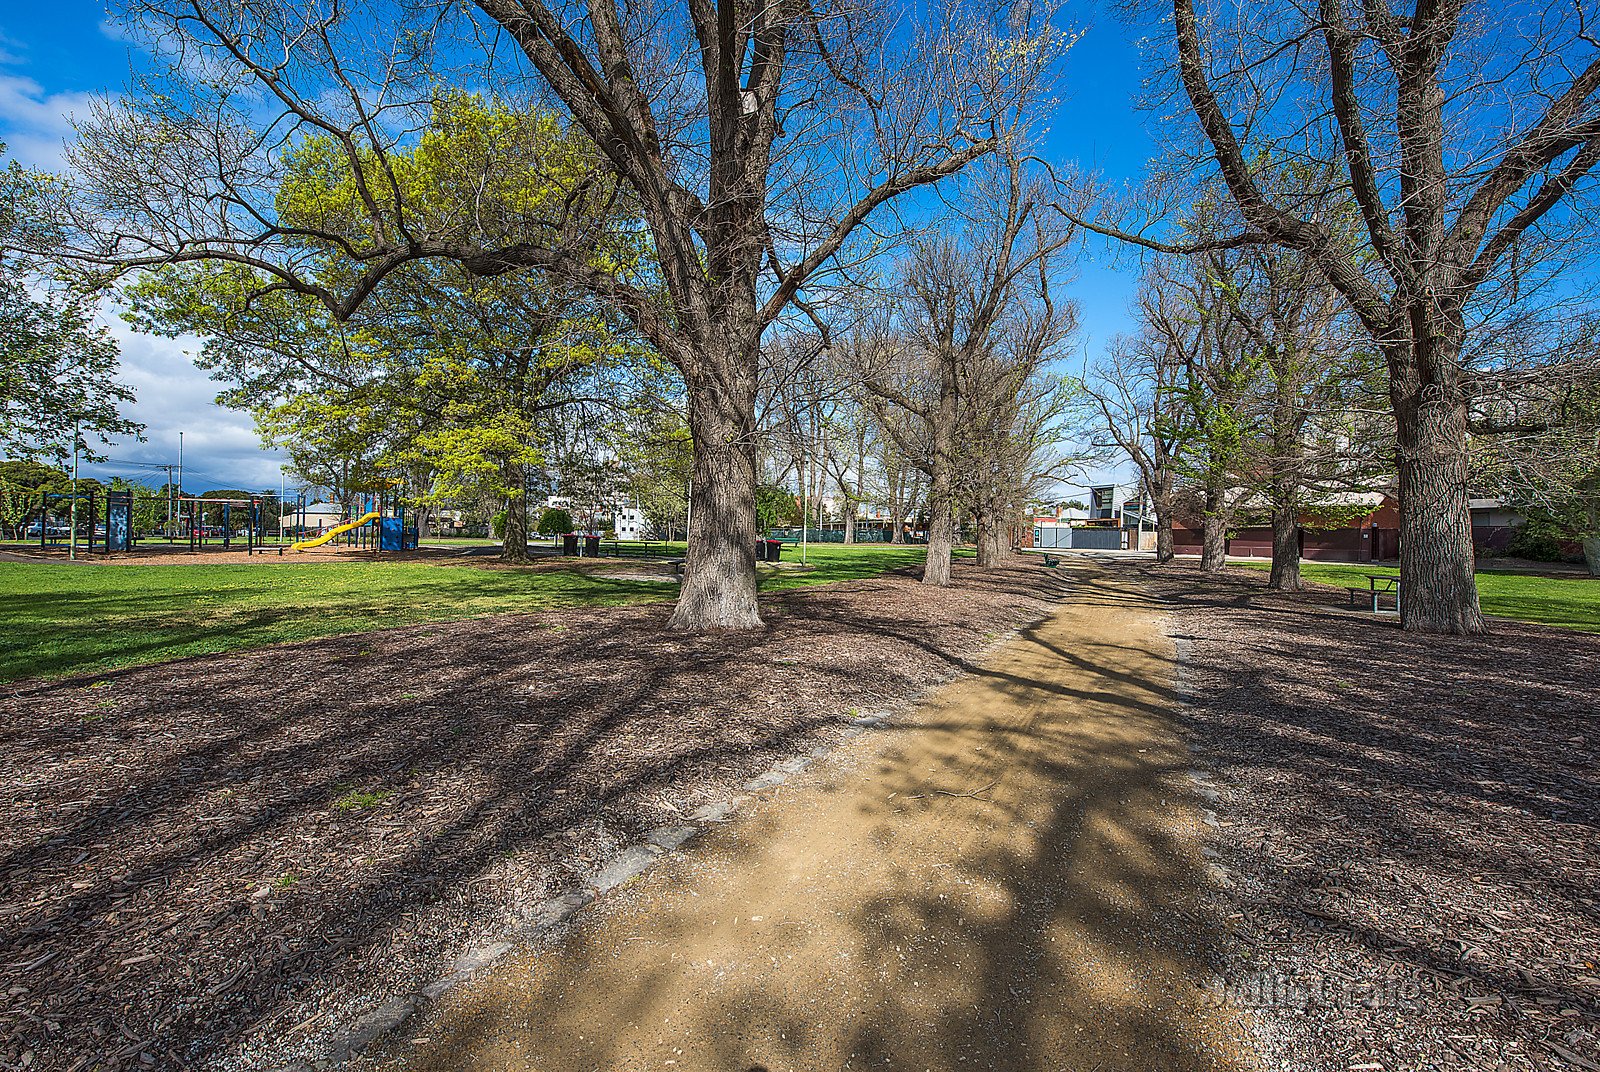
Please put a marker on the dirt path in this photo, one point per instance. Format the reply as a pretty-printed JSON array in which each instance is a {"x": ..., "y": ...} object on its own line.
[{"x": 1003, "y": 881}]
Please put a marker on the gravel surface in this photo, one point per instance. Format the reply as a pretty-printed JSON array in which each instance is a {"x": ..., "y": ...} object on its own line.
[
  {"x": 1412, "y": 824},
  {"x": 224, "y": 861},
  {"x": 1007, "y": 878}
]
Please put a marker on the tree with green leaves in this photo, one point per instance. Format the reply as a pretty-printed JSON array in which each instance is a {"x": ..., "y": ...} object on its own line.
[
  {"x": 443, "y": 379},
  {"x": 58, "y": 366},
  {"x": 23, "y": 485},
  {"x": 776, "y": 507},
  {"x": 753, "y": 160},
  {"x": 657, "y": 456},
  {"x": 554, "y": 521}
]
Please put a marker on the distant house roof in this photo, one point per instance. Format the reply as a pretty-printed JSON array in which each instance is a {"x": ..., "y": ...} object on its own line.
[
  {"x": 1373, "y": 499},
  {"x": 1330, "y": 499}
]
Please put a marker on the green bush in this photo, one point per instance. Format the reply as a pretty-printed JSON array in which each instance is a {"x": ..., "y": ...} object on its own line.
[
  {"x": 775, "y": 506},
  {"x": 554, "y": 521},
  {"x": 1537, "y": 540},
  {"x": 497, "y": 525}
]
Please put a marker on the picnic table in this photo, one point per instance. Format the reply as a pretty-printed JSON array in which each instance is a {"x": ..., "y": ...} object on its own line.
[{"x": 1377, "y": 585}]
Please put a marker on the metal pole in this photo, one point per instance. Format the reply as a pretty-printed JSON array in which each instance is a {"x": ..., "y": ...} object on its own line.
[
  {"x": 822, "y": 479},
  {"x": 180, "y": 463},
  {"x": 805, "y": 512},
  {"x": 72, "y": 510}
]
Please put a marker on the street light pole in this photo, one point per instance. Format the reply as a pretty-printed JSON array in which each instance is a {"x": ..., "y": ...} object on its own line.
[
  {"x": 805, "y": 513},
  {"x": 72, "y": 509}
]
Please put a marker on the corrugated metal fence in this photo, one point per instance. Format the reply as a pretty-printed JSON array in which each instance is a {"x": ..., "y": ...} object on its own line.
[{"x": 1078, "y": 539}]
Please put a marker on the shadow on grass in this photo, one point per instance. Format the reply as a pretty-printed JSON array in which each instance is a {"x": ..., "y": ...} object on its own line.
[
  {"x": 55, "y": 633},
  {"x": 146, "y": 816}
]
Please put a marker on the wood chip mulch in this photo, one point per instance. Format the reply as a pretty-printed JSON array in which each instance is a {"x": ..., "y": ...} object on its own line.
[
  {"x": 1412, "y": 824},
  {"x": 218, "y": 862}
]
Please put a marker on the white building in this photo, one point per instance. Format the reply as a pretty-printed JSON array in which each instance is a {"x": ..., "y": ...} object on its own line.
[
  {"x": 317, "y": 517},
  {"x": 629, "y": 523}
]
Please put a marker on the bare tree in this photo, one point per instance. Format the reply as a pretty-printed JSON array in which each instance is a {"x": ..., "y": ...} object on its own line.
[
  {"x": 1537, "y": 438},
  {"x": 1011, "y": 447},
  {"x": 752, "y": 159},
  {"x": 1458, "y": 132},
  {"x": 1136, "y": 407},
  {"x": 975, "y": 322},
  {"x": 1312, "y": 428},
  {"x": 1202, "y": 372}
]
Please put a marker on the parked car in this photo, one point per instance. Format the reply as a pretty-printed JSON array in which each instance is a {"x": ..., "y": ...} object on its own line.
[{"x": 53, "y": 528}]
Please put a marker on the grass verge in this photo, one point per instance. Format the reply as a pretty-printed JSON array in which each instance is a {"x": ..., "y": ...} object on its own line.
[
  {"x": 1566, "y": 602},
  {"x": 57, "y": 620}
]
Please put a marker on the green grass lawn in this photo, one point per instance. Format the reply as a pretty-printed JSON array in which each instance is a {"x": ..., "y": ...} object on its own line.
[
  {"x": 1569, "y": 602},
  {"x": 57, "y": 620}
]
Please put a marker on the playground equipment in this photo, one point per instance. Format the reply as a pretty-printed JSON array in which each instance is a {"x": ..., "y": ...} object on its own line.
[
  {"x": 114, "y": 531},
  {"x": 198, "y": 532},
  {"x": 385, "y": 512},
  {"x": 338, "y": 530},
  {"x": 121, "y": 520}
]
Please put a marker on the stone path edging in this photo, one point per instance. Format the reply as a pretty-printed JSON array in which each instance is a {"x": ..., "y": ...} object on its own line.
[{"x": 552, "y": 912}]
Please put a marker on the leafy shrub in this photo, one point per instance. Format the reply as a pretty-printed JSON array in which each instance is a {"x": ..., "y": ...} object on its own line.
[
  {"x": 1537, "y": 540},
  {"x": 554, "y": 521},
  {"x": 775, "y": 506}
]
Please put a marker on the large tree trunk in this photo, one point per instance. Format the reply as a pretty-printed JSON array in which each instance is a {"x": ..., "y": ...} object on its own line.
[
  {"x": 1161, "y": 500},
  {"x": 897, "y": 515},
  {"x": 1213, "y": 534},
  {"x": 941, "y": 539},
  {"x": 849, "y": 522},
  {"x": 1591, "y": 554},
  {"x": 1438, "y": 593},
  {"x": 1166, "y": 546},
  {"x": 1285, "y": 546},
  {"x": 514, "y": 547},
  {"x": 719, "y": 576},
  {"x": 941, "y": 528},
  {"x": 991, "y": 536},
  {"x": 984, "y": 541}
]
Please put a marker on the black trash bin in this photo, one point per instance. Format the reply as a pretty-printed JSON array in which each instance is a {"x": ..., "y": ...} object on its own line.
[
  {"x": 591, "y": 546},
  {"x": 773, "y": 548},
  {"x": 569, "y": 543},
  {"x": 761, "y": 550}
]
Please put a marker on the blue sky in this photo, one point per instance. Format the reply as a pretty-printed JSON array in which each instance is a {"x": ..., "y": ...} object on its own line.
[{"x": 54, "y": 57}]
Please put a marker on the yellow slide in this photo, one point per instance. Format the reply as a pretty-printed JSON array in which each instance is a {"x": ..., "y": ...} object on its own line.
[{"x": 339, "y": 530}]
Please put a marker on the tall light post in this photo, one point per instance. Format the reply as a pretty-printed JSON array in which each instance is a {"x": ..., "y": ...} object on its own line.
[{"x": 72, "y": 507}]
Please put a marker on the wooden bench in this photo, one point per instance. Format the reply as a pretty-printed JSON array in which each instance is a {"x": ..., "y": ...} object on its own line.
[
  {"x": 677, "y": 566},
  {"x": 634, "y": 549}
]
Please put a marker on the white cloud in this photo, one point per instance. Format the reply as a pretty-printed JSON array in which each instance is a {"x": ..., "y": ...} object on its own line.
[
  {"x": 36, "y": 125},
  {"x": 220, "y": 446}
]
